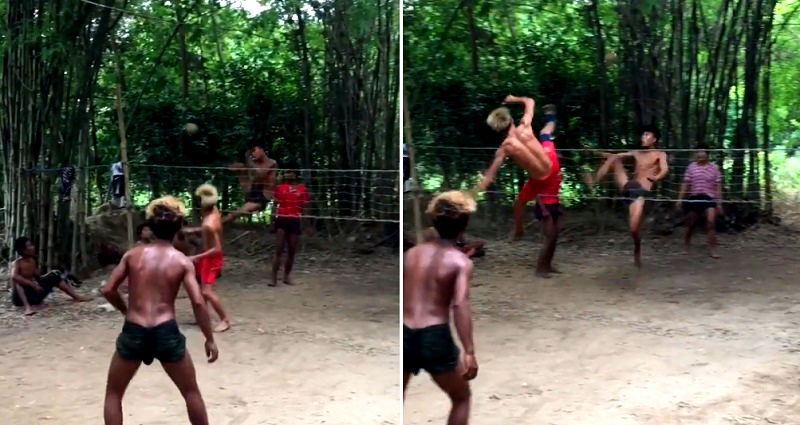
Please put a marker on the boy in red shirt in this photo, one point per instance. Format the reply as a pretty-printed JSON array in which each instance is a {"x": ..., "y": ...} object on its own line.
[
  {"x": 544, "y": 192},
  {"x": 291, "y": 198}
]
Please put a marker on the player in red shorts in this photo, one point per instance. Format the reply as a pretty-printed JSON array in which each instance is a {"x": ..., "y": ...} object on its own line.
[
  {"x": 210, "y": 261},
  {"x": 291, "y": 197},
  {"x": 544, "y": 192}
]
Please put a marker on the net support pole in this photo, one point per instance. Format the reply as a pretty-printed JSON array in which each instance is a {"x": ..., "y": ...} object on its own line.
[
  {"x": 123, "y": 152},
  {"x": 413, "y": 167}
]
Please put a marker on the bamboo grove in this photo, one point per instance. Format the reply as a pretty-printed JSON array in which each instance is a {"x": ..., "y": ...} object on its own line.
[{"x": 317, "y": 82}]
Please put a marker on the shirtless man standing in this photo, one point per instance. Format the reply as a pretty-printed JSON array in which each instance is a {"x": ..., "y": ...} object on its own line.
[
  {"x": 437, "y": 277},
  {"x": 520, "y": 143},
  {"x": 29, "y": 289},
  {"x": 651, "y": 166},
  {"x": 155, "y": 272},
  {"x": 209, "y": 262},
  {"x": 258, "y": 178}
]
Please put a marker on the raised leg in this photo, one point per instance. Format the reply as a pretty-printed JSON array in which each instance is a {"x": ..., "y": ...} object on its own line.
[
  {"x": 120, "y": 373},
  {"x": 457, "y": 389},
  {"x": 530, "y": 157},
  {"x": 636, "y": 211},
  {"x": 183, "y": 375},
  {"x": 247, "y": 209}
]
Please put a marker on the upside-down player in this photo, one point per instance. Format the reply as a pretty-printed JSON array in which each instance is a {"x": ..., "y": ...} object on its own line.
[
  {"x": 651, "y": 166},
  {"x": 436, "y": 280},
  {"x": 520, "y": 143},
  {"x": 544, "y": 192},
  {"x": 155, "y": 272}
]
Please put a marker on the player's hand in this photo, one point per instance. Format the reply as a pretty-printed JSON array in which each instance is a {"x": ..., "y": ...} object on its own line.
[
  {"x": 508, "y": 99},
  {"x": 211, "y": 351},
  {"x": 470, "y": 366}
]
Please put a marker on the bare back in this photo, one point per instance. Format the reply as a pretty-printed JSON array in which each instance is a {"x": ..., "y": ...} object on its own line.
[
  {"x": 265, "y": 173},
  {"x": 155, "y": 273},
  {"x": 431, "y": 271}
]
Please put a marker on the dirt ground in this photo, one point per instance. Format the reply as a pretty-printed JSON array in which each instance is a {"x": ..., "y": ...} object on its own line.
[
  {"x": 322, "y": 352},
  {"x": 689, "y": 340}
]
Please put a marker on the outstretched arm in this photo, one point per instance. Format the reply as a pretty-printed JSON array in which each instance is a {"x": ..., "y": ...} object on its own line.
[
  {"x": 488, "y": 178},
  {"x": 111, "y": 289},
  {"x": 208, "y": 234},
  {"x": 530, "y": 105}
]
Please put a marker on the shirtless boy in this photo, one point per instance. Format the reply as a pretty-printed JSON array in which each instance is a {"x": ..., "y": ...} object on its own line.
[
  {"x": 29, "y": 289},
  {"x": 155, "y": 272},
  {"x": 437, "y": 277},
  {"x": 651, "y": 166},
  {"x": 258, "y": 178},
  {"x": 209, "y": 262},
  {"x": 520, "y": 143}
]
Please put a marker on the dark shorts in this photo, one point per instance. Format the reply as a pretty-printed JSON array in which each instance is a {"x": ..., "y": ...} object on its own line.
[
  {"x": 553, "y": 209},
  {"x": 163, "y": 342},
  {"x": 290, "y": 225},
  {"x": 699, "y": 204},
  {"x": 633, "y": 191},
  {"x": 431, "y": 348},
  {"x": 48, "y": 282},
  {"x": 256, "y": 195}
]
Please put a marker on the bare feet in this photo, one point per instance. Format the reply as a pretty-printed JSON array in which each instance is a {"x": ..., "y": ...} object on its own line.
[
  {"x": 687, "y": 249},
  {"x": 287, "y": 280},
  {"x": 222, "y": 326},
  {"x": 273, "y": 283},
  {"x": 83, "y": 299},
  {"x": 544, "y": 274},
  {"x": 637, "y": 259},
  {"x": 29, "y": 312},
  {"x": 713, "y": 254},
  {"x": 517, "y": 235}
]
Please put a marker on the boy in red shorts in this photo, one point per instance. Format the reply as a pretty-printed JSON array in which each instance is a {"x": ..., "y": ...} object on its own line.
[
  {"x": 291, "y": 197},
  {"x": 209, "y": 262},
  {"x": 544, "y": 192}
]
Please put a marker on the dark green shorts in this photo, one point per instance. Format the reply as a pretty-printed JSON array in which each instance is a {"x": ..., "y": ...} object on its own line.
[
  {"x": 431, "y": 348},
  {"x": 47, "y": 282},
  {"x": 163, "y": 342}
]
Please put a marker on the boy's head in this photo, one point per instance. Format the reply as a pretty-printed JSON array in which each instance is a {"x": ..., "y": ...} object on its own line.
[
  {"x": 144, "y": 233},
  {"x": 499, "y": 119},
  {"x": 208, "y": 194},
  {"x": 701, "y": 154},
  {"x": 24, "y": 247},
  {"x": 257, "y": 152},
  {"x": 165, "y": 217},
  {"x": 650, "y": 136},
  {"x": 450, "y": 212},
  {"x": 290, "y": 171}
]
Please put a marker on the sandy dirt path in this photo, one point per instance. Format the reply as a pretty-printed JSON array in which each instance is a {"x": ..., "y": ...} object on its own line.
[
  {"x": 322, "y": 352},
  {"x": 688, "y": 341}
]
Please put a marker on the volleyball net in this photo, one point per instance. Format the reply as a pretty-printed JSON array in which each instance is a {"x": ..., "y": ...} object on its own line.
[
  {"x": 749, "y": 176},
  {"x": 351, "y": 195}
]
